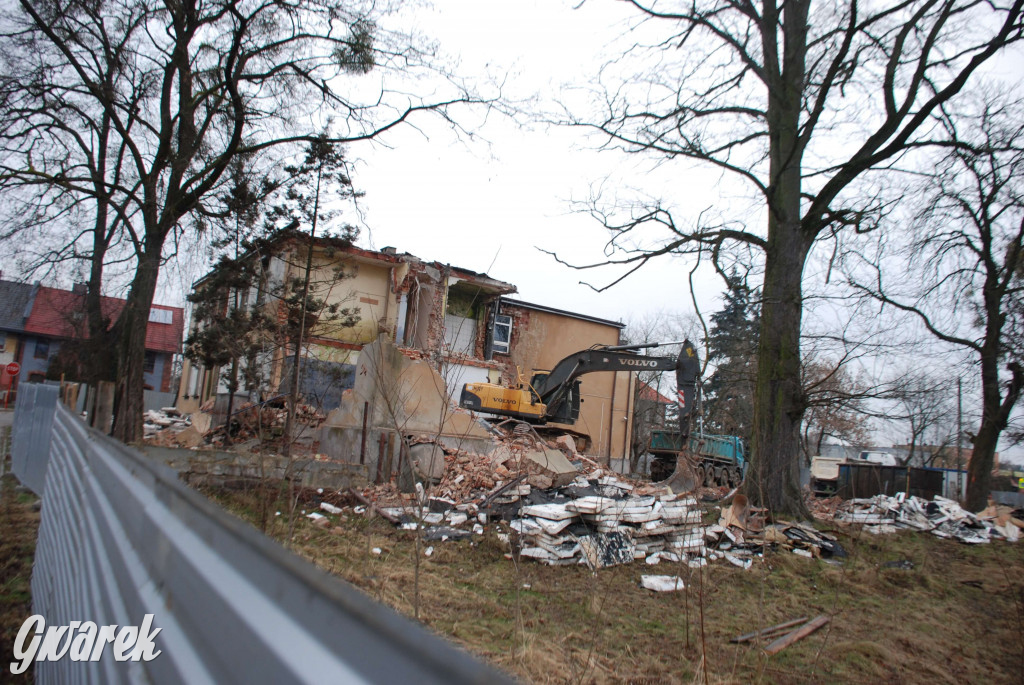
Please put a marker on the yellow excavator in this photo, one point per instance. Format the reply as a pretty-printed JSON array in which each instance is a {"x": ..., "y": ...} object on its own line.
[{"x": 555, "y": 395}]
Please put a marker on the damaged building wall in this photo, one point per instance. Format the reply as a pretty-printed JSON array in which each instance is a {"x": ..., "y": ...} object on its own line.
[
  {"x": 395, "y": 396},
  {"x": 361, "y": 281},
  {"x": 443, "y": 321}
]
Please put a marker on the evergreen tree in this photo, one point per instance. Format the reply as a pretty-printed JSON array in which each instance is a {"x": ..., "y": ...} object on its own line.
[
  {"x": 732, "y": 351},
  {"x": 240, "y": 335}
]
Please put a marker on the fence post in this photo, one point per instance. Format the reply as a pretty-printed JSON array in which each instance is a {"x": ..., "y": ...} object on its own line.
[{"x": 104, "y": 413}]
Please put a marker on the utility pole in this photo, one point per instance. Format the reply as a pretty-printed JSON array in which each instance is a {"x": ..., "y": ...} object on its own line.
[{"x": 959, "y": 438}]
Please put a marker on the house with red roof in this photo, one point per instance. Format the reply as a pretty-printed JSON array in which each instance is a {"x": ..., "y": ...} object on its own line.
[{"x": 43, "y": 320}]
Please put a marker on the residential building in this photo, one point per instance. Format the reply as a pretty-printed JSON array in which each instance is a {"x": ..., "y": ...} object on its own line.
[
  {"x": 15, "y": 304},
  {"x": 37, "y": 322},
  {"x": 463, "y": 323}
]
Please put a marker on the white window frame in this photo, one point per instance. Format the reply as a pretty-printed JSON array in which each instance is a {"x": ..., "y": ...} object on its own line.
[
  {"x": 501, "y": 346},
  {"x": 165, "y": 316}
]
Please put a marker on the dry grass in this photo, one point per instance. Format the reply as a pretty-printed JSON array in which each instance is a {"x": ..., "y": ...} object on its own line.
[
  {"x": 956, "y": 617},
  {"x": 19, "y": 524}
]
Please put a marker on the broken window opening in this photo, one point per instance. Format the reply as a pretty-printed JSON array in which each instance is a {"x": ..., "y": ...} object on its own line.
[
  {"x": 460, "y": 320},
  {"x": 164, "y": 316}
]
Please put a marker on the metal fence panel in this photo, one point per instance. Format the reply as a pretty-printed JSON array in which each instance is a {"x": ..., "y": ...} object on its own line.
[
  {"x": 868, "y": 480},
  {"x": 33, "y": 423},
  {"x": 121, "y": 537}
]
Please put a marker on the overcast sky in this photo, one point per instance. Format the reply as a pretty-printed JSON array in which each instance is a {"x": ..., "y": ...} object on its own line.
[{"x": 489, "y": 203}]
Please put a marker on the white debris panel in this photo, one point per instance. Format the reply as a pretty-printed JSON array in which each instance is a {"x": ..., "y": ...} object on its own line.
[{"x": 941, "y": 517}]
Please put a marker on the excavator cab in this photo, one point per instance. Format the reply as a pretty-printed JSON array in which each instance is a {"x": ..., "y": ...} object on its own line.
[{"x": 565, "y": 410}]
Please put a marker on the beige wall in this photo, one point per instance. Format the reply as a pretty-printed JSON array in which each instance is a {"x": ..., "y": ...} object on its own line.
[
  {"x": 8, "y": 348},
  {"x": 365, "y": 287},
  {"x": 544, "y": 340}
]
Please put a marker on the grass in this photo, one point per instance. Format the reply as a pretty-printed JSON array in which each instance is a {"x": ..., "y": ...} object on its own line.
[
  {"x": 19, "y": 524},
  {"x": 957, "y": 616}
]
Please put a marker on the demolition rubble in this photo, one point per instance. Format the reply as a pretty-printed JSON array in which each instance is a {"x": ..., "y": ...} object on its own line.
[
  {"x": 561, "y": 508},
  {"x": 941, "y": 517},
  {"x": 556, "y": 506},
  {"x": 249, "y": 421}
]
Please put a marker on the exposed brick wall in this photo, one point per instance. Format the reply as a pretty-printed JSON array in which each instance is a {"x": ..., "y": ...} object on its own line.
[{"x": 165, "y": 379}]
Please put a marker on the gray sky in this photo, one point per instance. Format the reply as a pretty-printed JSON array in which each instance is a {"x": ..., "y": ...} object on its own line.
[{"x": 488, "y": 203}]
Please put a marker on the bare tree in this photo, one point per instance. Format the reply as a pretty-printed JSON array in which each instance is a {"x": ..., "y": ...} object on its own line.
[
  {"x": 802, "y": 106},
  {"x": 138, "y": 107},
  {"x": 835, "y": 406},
  {"x": 958, "y": 273},
  {"x": 925, "y": 407}
]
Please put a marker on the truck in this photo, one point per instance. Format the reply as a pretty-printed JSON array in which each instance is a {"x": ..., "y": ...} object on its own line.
[{"x": 720, "y": 459}]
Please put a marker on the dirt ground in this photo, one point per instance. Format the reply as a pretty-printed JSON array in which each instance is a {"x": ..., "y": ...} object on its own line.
[{"x": 956, "y": 616}]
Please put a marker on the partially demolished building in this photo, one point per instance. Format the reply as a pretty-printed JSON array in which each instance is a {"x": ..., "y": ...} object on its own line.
[{"x": 418, "y": 331}]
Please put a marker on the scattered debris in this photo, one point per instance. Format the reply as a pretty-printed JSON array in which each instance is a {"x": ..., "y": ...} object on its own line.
[
  {"x": 248, "y": 422},
  {"x": 662, "y": 583},
  {"x": 941, "y": 517}
]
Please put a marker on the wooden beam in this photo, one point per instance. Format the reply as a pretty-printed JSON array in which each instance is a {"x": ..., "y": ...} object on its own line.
[
  {"x": 765, "y": 632},
  {"x": 798, "y": 634}
]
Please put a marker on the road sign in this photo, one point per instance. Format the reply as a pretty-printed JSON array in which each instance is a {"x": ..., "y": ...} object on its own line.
[{"x": 12, "y": 369}]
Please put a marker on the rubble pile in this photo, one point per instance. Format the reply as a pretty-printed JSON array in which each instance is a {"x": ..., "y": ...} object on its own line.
[
  {"x": 166, "y": 423},
  {"x": 742, "y": 534},
  {"x": 563, "y": 508},
  {"x": 941, "y": 517},
  {"x": 601, "y": 522},
  {"x": 169, "y": 428}
]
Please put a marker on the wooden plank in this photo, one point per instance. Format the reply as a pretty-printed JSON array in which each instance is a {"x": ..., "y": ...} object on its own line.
[
  {"x": 372, "y": 508},
  {"x": 798, "y": 634},
  {"x": 764, "y": 632}
]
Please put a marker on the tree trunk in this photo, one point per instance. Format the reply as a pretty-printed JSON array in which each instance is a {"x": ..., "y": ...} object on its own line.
[
  {"x": 995, "y": 406},
  {"x": 773, "y": 480},
  {"x": 995, "y": 413},
  {"x": 131, "y": 348}
]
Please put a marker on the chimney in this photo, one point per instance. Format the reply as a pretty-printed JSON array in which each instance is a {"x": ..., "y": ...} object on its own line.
[
  {"x": 389, "y": 250},
  {"x": 79, "y": 289}
]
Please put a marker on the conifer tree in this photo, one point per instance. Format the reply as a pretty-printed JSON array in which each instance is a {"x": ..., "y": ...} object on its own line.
[{"x": 732, "y": 351}]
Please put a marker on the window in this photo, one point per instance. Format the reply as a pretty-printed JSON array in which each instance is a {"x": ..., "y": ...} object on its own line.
[
  {"x": 502, "y": 333},
  {"x": 42, "y": 349},
  {"x": 149, "y": 362},
  {"x": 161, "y": 316}
]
